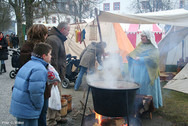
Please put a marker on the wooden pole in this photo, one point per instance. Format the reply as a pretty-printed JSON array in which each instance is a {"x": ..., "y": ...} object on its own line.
[{"x": 96, "y": 12}]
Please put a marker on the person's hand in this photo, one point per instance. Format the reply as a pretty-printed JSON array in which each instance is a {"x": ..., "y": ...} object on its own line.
[
  {"x": 0, "y": 47},
  {"x": 127, "y": 56},
  {"x": 106, "y": 54},
  {"x": 55, "y": 83},
  {"x": 137, "y": 58},
  {"x": 100, "y": 67}
]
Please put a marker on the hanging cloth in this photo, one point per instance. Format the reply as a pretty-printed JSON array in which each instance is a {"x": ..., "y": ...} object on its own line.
[{"x": 76, "y": 33}]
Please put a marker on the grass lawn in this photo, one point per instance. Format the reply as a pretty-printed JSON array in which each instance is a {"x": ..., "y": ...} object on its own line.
[{"x": 175, "y": 106}]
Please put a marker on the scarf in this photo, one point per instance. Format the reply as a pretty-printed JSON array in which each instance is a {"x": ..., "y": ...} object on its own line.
[{"x": 151, "y": 58}]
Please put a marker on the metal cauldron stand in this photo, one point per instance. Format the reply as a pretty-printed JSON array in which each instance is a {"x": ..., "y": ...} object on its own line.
[{"x": 89, "y": 88}]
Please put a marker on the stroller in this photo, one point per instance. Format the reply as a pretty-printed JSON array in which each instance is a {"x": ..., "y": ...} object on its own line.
[
  {"x": 72, "y": 63},
  {"x": 15, "y": 62}
]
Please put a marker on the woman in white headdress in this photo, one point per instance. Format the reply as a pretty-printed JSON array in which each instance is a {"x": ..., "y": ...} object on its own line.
[{"x": 144, "y": 68}]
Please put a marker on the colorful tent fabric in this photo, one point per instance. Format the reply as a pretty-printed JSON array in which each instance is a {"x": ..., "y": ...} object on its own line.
[
  {"x": 154, "y": 28},
  {"x": 125, "y": 46},
  {"x": 135, "y": 30},
  {"x": 132, "y": 33}
]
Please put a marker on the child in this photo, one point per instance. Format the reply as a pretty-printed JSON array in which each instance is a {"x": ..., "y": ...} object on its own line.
[{"x": 28, "y": 92}]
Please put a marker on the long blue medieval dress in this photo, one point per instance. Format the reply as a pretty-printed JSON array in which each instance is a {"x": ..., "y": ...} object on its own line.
[{"x": 145, "y": 71}]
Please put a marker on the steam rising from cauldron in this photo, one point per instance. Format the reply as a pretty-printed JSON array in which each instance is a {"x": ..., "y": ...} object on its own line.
[{"x": 112, "y": 71}]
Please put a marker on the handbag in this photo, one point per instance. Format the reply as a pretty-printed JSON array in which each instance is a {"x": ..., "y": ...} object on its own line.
[{"x": 54, "y": 101}]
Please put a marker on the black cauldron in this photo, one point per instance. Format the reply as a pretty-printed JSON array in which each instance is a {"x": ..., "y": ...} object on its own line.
[{"x": 113, "y": 101}]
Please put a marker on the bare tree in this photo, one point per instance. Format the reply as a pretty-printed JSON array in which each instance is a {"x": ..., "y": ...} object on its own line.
[
  {"x": 142, "y": 6},
  {"x": 43, "y": 10},
  {"x": 27, "y": 10},
  {"x": 24, "y": 12},
  {"x": 18, "y": 7},
  {"x": 30, "y": 5},
  {"x": 28, "y": 13},
  {"x": 5, "y": 16},
  {"x": 76, "y": 8},
  {"x": 84, "y": 8}
]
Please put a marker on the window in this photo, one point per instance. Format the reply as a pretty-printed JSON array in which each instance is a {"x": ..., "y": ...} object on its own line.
[
  {"x": 116, "y": 5},
  {"x": 106, "y": 6},
  {"x": 54, "y": 20}
]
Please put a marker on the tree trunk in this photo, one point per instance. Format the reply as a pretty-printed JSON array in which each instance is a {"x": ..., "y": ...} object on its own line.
[
  {"x": 17, "y": 5},
  {"x": 28, "y": 13},
  {"x": 80, "y": 11},
  {"x": 19, "y": 26},
  {"x": 20, "y": 32}
]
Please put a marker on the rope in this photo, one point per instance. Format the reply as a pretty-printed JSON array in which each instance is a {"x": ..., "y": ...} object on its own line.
[{"x": 185, "y": 45}]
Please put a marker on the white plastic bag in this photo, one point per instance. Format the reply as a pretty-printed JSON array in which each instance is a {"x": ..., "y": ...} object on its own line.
[
  {"x": 53, "y": 75},
  {"x": 54, "y": 101}
]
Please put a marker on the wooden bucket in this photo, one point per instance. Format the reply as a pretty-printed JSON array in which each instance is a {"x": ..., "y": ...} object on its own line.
[
  {"x": 63, "y": 107},
  {"x": 69, "y": 101}
]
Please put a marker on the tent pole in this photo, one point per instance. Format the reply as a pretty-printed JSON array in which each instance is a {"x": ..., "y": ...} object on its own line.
[
  {"x": 182, "y": 49},
  {"x": 98, "y": 24}
]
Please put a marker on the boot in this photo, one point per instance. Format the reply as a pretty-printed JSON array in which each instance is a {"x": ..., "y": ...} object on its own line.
[
  {"x": 0, "y": 70},
  {"x": 3, "y": 68}
]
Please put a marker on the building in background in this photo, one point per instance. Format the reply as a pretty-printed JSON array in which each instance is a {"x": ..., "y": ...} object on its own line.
[{"x": 116, "y": 6}]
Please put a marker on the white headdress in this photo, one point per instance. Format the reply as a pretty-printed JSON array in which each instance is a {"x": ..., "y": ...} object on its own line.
[{"x": 150, "y": 36}]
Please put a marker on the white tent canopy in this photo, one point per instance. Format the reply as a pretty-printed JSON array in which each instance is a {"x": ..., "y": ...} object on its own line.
[
  {"x": 178, "y": 17},
  {"x": 179, "y": 82},
  {"x": 170, "y": 43}
]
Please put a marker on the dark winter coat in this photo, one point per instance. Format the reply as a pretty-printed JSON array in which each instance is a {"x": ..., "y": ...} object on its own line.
[
  {"x": 25, "y": 56},
  {"x": 87, "y": 57},
  {"x": 4, "y": 50},
  {"x": 25, "y": 53},
  {"x": 15, "y": 40},
  {"x": 58, "y": 61}
]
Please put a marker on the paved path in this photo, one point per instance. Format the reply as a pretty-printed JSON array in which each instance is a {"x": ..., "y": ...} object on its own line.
[{"x": 6, "y": 84}]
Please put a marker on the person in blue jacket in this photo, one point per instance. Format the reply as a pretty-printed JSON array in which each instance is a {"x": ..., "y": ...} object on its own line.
[{"x": 28, "y": 92}]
